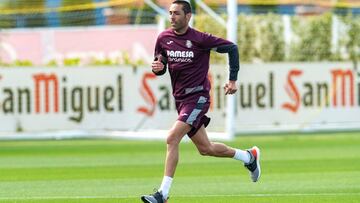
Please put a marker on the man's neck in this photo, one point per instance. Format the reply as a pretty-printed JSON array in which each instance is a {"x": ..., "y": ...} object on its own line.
[{"x": 182, "y": 31}]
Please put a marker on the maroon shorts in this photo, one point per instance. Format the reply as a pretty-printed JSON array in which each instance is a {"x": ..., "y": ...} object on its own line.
[{"x": 193, "y": 113}]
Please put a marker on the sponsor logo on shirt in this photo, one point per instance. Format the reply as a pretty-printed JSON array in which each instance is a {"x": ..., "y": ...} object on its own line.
[
  {"x": 169, "y": 42},
  {"x": 180, "y": 56}
]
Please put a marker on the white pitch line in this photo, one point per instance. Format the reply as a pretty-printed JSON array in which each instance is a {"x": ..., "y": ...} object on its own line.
[
  {"x": 274, "y": 195},
  {"x": 180, "y": 196}
]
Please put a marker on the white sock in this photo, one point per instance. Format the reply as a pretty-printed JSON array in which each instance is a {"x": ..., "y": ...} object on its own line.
[
  {"x": 165, "y": 186},
  {"x": 242, "y": 155}
]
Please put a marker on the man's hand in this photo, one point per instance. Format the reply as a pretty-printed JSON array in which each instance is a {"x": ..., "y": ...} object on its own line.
[
  {"x": 157, "y": 65},
  {"x": 230, "y": 87}
]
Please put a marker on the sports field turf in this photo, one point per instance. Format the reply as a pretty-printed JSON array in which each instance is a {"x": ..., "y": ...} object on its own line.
[{"x": 296, "y": 168}]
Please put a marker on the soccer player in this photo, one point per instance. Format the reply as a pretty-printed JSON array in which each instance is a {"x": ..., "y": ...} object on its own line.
[{"x": 185, "y": 52}]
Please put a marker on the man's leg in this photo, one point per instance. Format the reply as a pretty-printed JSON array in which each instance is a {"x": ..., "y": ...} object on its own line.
[
  {"x": 207, "y": 148},
  {"x": 250, "y": 157},
  {"x": 177, "y": 132}
]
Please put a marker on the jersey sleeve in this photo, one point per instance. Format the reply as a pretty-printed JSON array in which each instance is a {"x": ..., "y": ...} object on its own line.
[
  {"x": 224, "y": 46},
  {"x": 210, "y": 41},
  {"x": 158, "y": 49}
]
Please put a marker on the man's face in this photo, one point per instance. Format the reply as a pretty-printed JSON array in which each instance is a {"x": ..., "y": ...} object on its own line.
[{"x": 177, "y": 16}]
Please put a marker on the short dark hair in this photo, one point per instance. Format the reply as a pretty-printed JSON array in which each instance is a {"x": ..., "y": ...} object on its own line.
[{"x": 185, "y": 4}]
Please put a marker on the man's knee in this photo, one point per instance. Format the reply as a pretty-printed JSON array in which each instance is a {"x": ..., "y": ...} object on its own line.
[
  {"x": 206, "y": 150},
  {"x": 172, "y": 138}
]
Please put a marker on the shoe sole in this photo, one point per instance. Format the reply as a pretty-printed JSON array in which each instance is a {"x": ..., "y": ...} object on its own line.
[
  {"x": 145, "y": 200},
  {"x": 257, "y": 162}
]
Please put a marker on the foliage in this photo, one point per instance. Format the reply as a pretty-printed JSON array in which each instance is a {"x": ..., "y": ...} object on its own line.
[
  {"x": 142, "y": 15},
  {"x": 315, "y": 38},
  {"x": 272, "y": 45},
  {"x": 247, "y": 38},
  {"x": 24, "y": 63},
  {"x": 263, "y": 41},
  {"x": 353, "y": 42},
  {"x": 77, "y": 18},
  {"x": 52, "y": 63},
  {"x": 103, "y": 62},
  {"x": 22, "y": 20},
  {"x": 122, "y": 59},
  {"x": 72, "y": 62},
  {"x": 261, "y": 38},
  {"x": 202, "y": 24}
]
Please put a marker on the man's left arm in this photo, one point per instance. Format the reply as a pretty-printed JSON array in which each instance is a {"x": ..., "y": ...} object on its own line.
[
  {"x": 232, "y": 50},
  {"x": 221, "y": 45}
]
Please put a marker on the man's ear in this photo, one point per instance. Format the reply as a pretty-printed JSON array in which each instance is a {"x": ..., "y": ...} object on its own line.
[{"x": 188, "y": 16}]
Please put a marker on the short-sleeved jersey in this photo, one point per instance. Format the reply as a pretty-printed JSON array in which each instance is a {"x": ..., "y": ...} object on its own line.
[{"x": 188, "y": 60}]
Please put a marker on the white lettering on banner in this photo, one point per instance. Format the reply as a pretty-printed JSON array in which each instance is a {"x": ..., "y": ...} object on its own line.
[{"x": 270, "y": 97}]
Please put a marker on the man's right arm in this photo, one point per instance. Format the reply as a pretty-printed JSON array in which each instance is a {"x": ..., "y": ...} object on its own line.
[{"x": 159, "y": 65}]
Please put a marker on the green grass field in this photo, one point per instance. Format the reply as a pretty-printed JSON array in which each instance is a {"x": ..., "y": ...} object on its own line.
[{"x": 296, "y": 168}]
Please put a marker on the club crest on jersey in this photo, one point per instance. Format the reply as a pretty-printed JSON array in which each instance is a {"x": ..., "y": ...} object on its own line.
[{"x": 188, "y": 44}]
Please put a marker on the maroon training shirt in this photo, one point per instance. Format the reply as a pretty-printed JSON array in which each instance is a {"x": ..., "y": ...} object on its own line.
[{"x": 188, "y": 60}]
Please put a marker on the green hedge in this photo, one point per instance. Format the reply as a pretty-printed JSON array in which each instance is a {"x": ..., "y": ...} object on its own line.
[{"x": 261, "y": 38}]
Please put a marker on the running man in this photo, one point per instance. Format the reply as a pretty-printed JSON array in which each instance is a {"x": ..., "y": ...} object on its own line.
[{"x": 185, "y": 52}]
